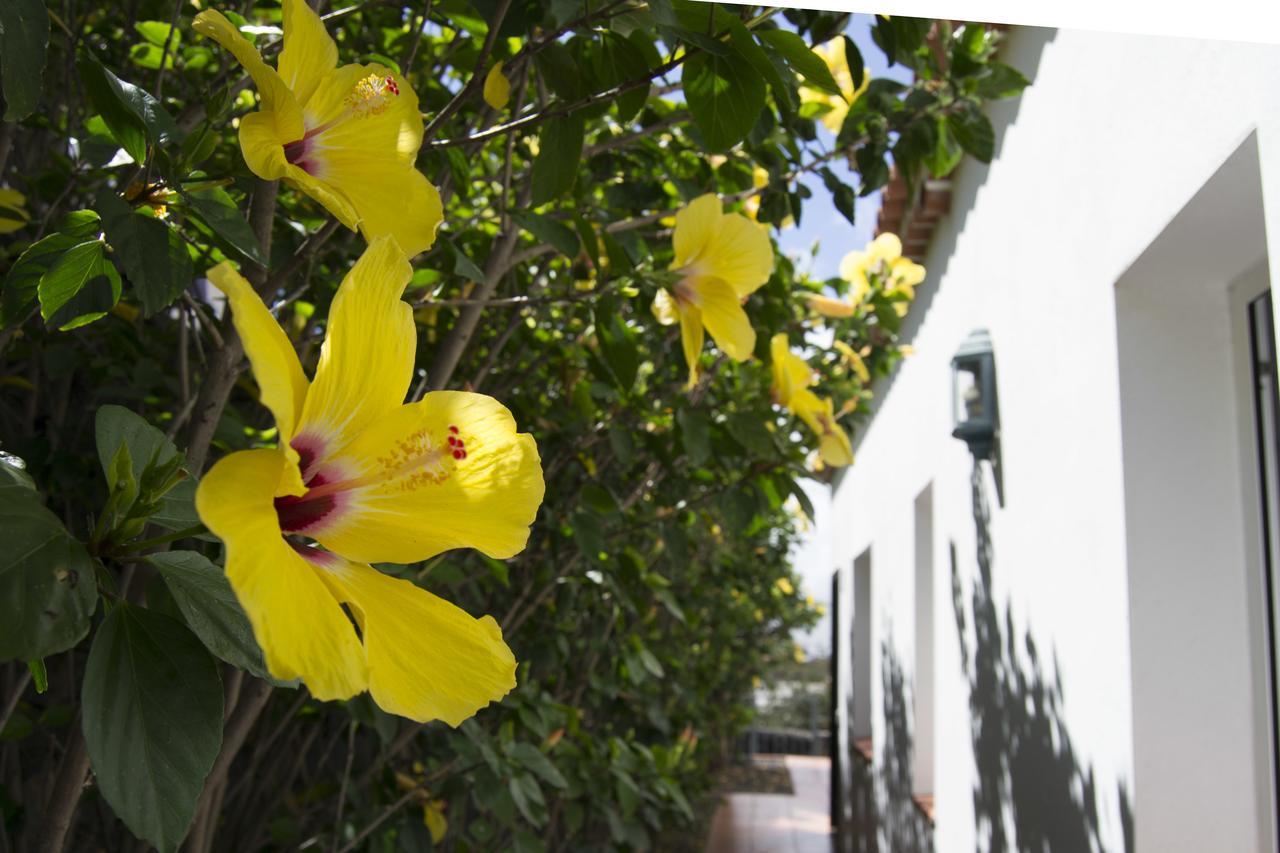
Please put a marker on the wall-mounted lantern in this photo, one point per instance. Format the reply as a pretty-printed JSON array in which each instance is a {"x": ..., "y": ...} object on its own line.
[{"x": 975, "y": 404}]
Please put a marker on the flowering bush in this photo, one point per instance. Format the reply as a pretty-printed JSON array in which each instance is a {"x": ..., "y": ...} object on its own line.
[{"x": 500, "y": 573}]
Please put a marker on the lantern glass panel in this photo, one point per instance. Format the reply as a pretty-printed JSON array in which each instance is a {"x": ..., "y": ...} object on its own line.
[{"x": 968, "y": 395}]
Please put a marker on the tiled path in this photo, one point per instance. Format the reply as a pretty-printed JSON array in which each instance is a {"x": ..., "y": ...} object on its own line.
[{"x": 779, "y": 823}]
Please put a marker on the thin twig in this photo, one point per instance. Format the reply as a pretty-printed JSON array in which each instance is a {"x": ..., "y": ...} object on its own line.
[
  {"x": 477, "y": 76},
  {"x": 346, "y": 777},
  {"x": 417, "y": 38}
]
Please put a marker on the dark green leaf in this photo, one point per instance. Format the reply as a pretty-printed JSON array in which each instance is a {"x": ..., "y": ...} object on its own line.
[
  {"x": 525, "y": 794},
  {"x": 116, "y": 425},
  {"x": 559, "y": 67},
  {"x": 24, "y": 38},
  {"x": 550, "y": 231},
  {"x": 211, "y": 608},
  {"x": 216, "y": 209},
  {"x": 534, "y": 759},
  {"x": 148, "y": 448},
  {"x": 801, "y": 58},
  {"x": 152, "y": 721},
  {"x": 47, "y": 587},
  {"x": 133, "y": 116},
  {"x": 619, "y": 61},
  {"x": 726, "y": 95},
  {"x": 559, "y": 152},
  {"x": 463, "y": 265},
  {"x": 695, "y": 432},
  {"x": 618, "y": 345},
  {"x": 153, "y": 255},
  {"x": 973, "y": 131},
  {"x": 853, "y": 58},
  {"x": 1001, "y": 81}
]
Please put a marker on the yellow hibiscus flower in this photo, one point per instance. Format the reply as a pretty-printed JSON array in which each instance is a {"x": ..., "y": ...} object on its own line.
[
  {"x": 371, "y": 479},
  {"x": 720, "y": 259},
  {"x": 832, "y": 53},
  {"x": 346, "y": 136},
  {"x": 791, "y": 380},
  {"x": 834, "y": 446},
  {"x": 830, "y": 307}
]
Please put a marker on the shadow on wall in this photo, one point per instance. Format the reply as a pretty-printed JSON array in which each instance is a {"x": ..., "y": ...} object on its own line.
[
  {"x": 1031, "y": 794},
  {"x": 902, "y": 826}
]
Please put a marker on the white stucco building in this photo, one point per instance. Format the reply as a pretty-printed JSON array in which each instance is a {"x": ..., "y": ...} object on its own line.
[{"x": 1102, "y": 678}]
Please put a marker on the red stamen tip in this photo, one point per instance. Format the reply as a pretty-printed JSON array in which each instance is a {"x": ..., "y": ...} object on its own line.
[
  {"x": 453, "y": 429},
  {"x": 459, "y": 454}
]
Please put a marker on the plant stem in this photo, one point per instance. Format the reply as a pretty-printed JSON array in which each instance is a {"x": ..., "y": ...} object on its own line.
[{"x": 186, "y": 533}]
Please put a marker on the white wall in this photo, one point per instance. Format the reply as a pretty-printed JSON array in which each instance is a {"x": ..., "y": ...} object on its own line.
[
  {"x": 1197, "y": 660},
  {"x": 1116, "y": 135}
]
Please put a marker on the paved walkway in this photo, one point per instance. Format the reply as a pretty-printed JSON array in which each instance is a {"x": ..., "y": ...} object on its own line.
[{"x": 779, "y": 823}]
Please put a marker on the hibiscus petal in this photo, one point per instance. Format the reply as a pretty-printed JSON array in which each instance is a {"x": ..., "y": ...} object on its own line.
[
  {"x": 389, "y": 198},
  {"x": 308, "y": 53},
  {"x": 740, "y": 254},
  {"x": 427, "y": 659},
  {"x": 691, "y": 337},
  {"x": 282, "y": 385},
  {"x": 696, "y": 225},
  {"x": 297, "y": 621},
  {"x": 276, "y": 97},
  {"x": 366, "y": 363},
  {"x": 724, "y": 317},
  {"x": 449, "y": 471},
  {"x": 263, "y": 150}
]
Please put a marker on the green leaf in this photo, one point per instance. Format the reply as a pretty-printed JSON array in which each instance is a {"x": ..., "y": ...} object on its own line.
[
  {"x": 211, "y": 608},
  {"x": 47, "y": 588},
  {"x": 152, "y": 254},
  {"x": 725, "y": 95},
  {"x": 559, "y": 67},
  {"x": 973, "y": 131},
  {"x": 1001, "y": 81},
  {"x": 853, "y": 58},
  {"x": 157, "y": 33},
  {"x": 801, "y": 58},
  {"x": 65, "y": 277},
  {"x": 24, "y": 39},
  {"x": 618, "y": 345},
  {"x": 527, "y": 796},
  {"x": 152, "y": 717},
  {"x": 133, "y": 116},
  {"x": 463, "y": 265},
  {"x": 695, "y": 432},
  {"x": 620, "y": 61},
  {"x": 559, "y": 152},
  {"x": 22, "y": 284},
  {"x": 39, "y": 674},
  {"x": 116, "y": 425},
  {"x": 216, "y": 210},
  {"x": 946, "y": 153},
  {"x": 178, "y": 508},
  {"x": 534, "y": 759},
  {"x": 748, "y": 429},
  {"x": 148, "y": 448},
  {"x": 549, "y": 230}
]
